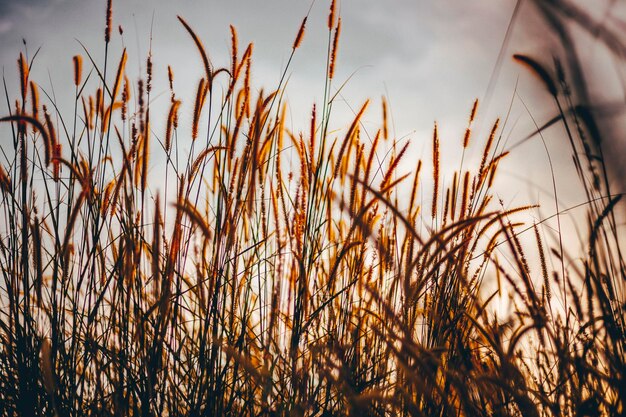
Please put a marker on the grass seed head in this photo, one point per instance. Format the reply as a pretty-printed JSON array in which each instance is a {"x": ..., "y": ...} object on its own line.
[
  {"x": 300, "y": 35},
  {"x": 78, "y": 69}
]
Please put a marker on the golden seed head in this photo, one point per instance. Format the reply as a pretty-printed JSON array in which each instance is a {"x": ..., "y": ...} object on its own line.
[
  {"x": 333, "y": 54},
  {"x": 331, "y": 15},
  {"x": 473, "y": 113},
  {"x": 107, "y": 30},
  {"x": 78, "y": 68},
  {"x": 23, "y": 68},
  {"x": 300, "y": 35}
]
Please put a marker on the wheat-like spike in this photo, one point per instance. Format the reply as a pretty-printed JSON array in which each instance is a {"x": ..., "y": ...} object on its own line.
[
  {"x": 56, "y": 164},
  {"x": 539, "y": 71},
  {"x": 34, "y": 99},
  {"x": 455, "y": 189},
  {"x": 20, "y": 118},
  {"x": 90, "y": 116},
  {"x": 333, "y": 54},
  {"x": 145, "y": 157},
  {"x": 304, "y": 164},
  {"x": 156, "y": 239},
  {"x": 99, "y": 103},
  {"x": 265, "y": 150},
  {"x": 385, "y": 129},
  {"x": 170, "y": 79},
  {"x": 498, "y": 218},
  {"x": 233, "y": 45},
  {"x": 245, "y": 60},
  {"x": 142, "y": 105},
  {"x": 106, "y": 197},
  {"x": 197, "y": 110},
  {"x": 357, "y": 170},
  {"x": 414, "y": 187},
  {"x": 332, "y": 14},
  {"x": 300, "y": 35},
  {"x": 466, "y": 137},
  {"x": 23, "y": 150},
  {"x": 345, "y": 162},
  {"x": 435, "y": 171},
  {"x": 149, "y": 73},
  {"x": 493, "y": 167},
  {"x": 487, "y": 149},
  {"x": 107, "y": 29},
  {"x": 105, "y": 119},
  {"x": 473, "y": 112},
  {"x": 370, "y": 160},
  {"x": 208, "y": 68},
  {"x": 171, "y": 119},
  {"x": 118, "y": 77},
  {"x": 86, "y": 177},
  {"x": 380, "y": 196},
  {"x": 22, "y": 65},
  {"x": 187, "y": 208},
  {"x": 264, "y": 222},
  {"x": 312, "y": 138},
  {"x": 446, "y": 206},
  {"x": 85, "y": 113},
  {"x": 246, "y": 87},
  {"x": 195, "y": 167},
  {"x": 393, "y": 166},
  {"x": 37, "y": 259},
  {"x": 520, "y": 259},
  {"x": 542, "y": 259},
  {"x": 125, "y": 97},
  {"x": 78, "y": 69},
  {"x": 235, "y": 132},
  {"x": 137, "y": 157}
]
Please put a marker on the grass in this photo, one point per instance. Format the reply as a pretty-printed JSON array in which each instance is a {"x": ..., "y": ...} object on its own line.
[{"x": 235, "y": 285}]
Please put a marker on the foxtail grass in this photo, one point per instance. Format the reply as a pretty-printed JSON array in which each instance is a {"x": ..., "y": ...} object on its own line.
[{"x": 241, "y": 282}]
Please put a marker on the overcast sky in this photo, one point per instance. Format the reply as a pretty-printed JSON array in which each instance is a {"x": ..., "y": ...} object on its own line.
[{"x": 430, "y": 58}]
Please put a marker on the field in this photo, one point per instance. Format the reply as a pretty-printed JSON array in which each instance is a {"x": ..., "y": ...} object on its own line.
[{"x": 260, "y": 270}]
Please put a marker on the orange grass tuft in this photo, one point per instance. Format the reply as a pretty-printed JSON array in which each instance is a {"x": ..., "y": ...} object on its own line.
[
  {"x": 78, "y": 69},
  {"x": 300, "y": 35}
]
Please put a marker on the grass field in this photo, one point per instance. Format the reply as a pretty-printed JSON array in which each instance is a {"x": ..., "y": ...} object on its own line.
[{"x": 264, "y": 271}]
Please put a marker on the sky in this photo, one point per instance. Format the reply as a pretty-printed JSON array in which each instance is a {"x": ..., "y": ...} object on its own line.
[{"x": 431, "y": 59}]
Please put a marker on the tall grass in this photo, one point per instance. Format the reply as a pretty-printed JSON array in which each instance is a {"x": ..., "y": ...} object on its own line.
[{"x": 235, "y": 285}]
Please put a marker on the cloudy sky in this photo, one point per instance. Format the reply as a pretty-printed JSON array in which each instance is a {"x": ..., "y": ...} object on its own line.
[{"x": 431, "y": 59}]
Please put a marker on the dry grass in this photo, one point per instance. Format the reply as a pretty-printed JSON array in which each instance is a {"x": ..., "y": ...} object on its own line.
[{"x": 259, "y": 290}]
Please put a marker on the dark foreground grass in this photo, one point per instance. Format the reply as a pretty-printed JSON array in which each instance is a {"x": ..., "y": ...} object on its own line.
[{"x": 235, "y": 285}]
